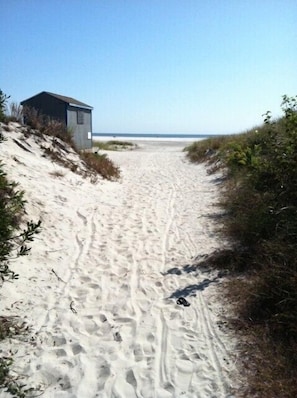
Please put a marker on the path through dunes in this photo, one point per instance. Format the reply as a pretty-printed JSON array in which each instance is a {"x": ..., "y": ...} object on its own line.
[{"x": 113, "y": 259}]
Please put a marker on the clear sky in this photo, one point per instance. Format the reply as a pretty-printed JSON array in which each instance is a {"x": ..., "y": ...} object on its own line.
[{"x": 166, "y": 66}]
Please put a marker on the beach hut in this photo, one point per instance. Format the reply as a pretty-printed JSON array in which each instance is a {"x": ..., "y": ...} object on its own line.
[{"x": 76, "y": 115}]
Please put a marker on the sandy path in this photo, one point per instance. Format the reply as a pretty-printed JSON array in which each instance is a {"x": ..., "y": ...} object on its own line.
[{"x": 111, "y": 262}]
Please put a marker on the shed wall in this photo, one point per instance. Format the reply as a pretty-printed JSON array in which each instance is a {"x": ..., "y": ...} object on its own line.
[
  {"x": 48, "y": 105},
  {"x": 80, "y": 132}
]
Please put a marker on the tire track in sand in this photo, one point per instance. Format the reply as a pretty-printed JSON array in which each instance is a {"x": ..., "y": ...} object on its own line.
[
  {"x": 218, "y": 381},
  {"x": 170, "y": 217}
]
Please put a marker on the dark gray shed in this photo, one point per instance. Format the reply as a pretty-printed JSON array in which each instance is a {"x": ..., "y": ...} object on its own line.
[{"x": 75, "y": 114}]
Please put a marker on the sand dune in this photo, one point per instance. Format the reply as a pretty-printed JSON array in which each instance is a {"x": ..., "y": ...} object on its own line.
[{"x": 100, "y": 287}]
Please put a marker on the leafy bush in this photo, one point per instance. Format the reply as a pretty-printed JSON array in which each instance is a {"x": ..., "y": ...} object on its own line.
[
  {"x": 11, "y": 211},
  {"x": 259, "y": 197},
  {"x": 9, "y": 384},
  {"x": 13, "y": 243}
]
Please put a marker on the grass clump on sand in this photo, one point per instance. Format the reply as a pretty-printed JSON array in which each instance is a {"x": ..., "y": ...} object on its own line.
[
  {"x": 101, "y": 164},
  {"x": 259, "y": 197},
  {"x": 114, "y": 145}
]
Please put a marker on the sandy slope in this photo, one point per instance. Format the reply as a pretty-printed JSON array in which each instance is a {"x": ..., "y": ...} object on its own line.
[{"x": 100, "y": 286}]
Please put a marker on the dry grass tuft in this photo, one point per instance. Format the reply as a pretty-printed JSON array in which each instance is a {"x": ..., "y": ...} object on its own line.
[
  {"x": 115, "y": 145},
  {"x": 101, "y": 164},
  {"x": 57, "y": 173}
]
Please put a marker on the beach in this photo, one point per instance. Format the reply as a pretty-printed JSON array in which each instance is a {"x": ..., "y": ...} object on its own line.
[{"x": 101, "y": 288}]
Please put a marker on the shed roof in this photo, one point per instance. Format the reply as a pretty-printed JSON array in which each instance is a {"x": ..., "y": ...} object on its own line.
[{"x": 68, "y": 100}]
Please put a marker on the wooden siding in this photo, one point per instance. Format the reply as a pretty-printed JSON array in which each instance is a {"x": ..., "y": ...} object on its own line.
[
  {"x": 80, "y": 131},
  {"x": 48, "y": 105}
]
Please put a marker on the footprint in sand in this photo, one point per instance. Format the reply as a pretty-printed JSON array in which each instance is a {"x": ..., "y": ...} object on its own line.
[
  {"x": 103, "y": 374},
  {"x": 138, "y": 353},
  {"x": 60, "y": 353},
  {"x": 150, "y": 338},
  {"x": 85, "y": 279},
  {"x": 102, "y": 318},
  {"x": 130, "y": 378},
  {"x": 58, "y": 341},
  {"x": 77, "y": 348}
]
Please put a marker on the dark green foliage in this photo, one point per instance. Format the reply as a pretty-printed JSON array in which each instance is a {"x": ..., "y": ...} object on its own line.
[
  {"x": 260, "y": 202},
  {"x": 8, "y": 384},
  {"x": 12, "y": 243}
]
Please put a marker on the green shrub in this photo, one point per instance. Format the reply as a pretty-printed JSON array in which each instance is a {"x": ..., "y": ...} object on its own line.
[
  {"x": 13, "y": 243},
  {"x": 259, "y": 197},
  {"x": 11, "y": 211}
]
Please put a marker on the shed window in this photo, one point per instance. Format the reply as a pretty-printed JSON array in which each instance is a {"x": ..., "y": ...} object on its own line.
[{"x": 80, "y": 117}]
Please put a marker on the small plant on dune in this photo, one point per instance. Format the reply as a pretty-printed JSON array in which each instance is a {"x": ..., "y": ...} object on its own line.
[
  {"x": 3, "y": 103},
  {"x": 9, "y": 384},
  {"x": 45, "y": 125},
  {"x": 11, "y": 211},
  {"x": 114, "y": 145},
  {"x": 57, "y": 173},
  {"x": 101, "y": 164},
  {"x": 12, "y": 243},
  {"x": 15, "y": 113}
]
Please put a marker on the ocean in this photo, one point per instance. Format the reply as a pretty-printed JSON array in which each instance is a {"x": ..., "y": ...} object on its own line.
[{"x": 150, "y": 137}]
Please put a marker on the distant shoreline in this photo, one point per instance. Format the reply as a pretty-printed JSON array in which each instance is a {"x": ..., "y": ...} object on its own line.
[{"x": 150, "y": 137}]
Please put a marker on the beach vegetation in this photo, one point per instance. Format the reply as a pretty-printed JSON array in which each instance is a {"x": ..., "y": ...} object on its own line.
[
  {"x": 3, "y": 105},
  {"x": 10, "y": 384},
  {"x": 101, "y": 164},
  {"x": 259, "y": 200},
  {"x": 46, "y": 125},
  {"x": 57, "y": 173},
  {"x": 13, "y": 243},
  {"x": 114, "y": 145}
]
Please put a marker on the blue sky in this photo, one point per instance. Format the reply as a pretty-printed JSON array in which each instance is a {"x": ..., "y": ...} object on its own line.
[{"x": 166, "y": 66}]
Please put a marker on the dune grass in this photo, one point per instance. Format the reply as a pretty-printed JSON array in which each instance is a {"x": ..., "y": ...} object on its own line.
[
  {"x": 101, "y": 164},
  {"x": 259, "y": 196},
  {"x": 114, "y": 145}
]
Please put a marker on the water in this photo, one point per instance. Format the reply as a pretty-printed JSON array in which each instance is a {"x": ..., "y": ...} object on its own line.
[{"x": 150, "y": 136}]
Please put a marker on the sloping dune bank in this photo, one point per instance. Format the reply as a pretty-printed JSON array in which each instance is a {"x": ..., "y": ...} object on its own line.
[{"x": 101, "y": 285}]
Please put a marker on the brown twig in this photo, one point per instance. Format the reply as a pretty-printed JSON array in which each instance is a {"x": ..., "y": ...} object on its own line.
[
  {"x": 72, "y": 308},
  {"x": 59, "y": 279}
]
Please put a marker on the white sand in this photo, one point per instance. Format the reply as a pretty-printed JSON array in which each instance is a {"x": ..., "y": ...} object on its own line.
[{"x": 100, "y": 286}]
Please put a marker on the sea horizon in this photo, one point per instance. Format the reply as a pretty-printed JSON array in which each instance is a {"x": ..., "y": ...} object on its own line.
[{"x": 151, "y": 136}]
